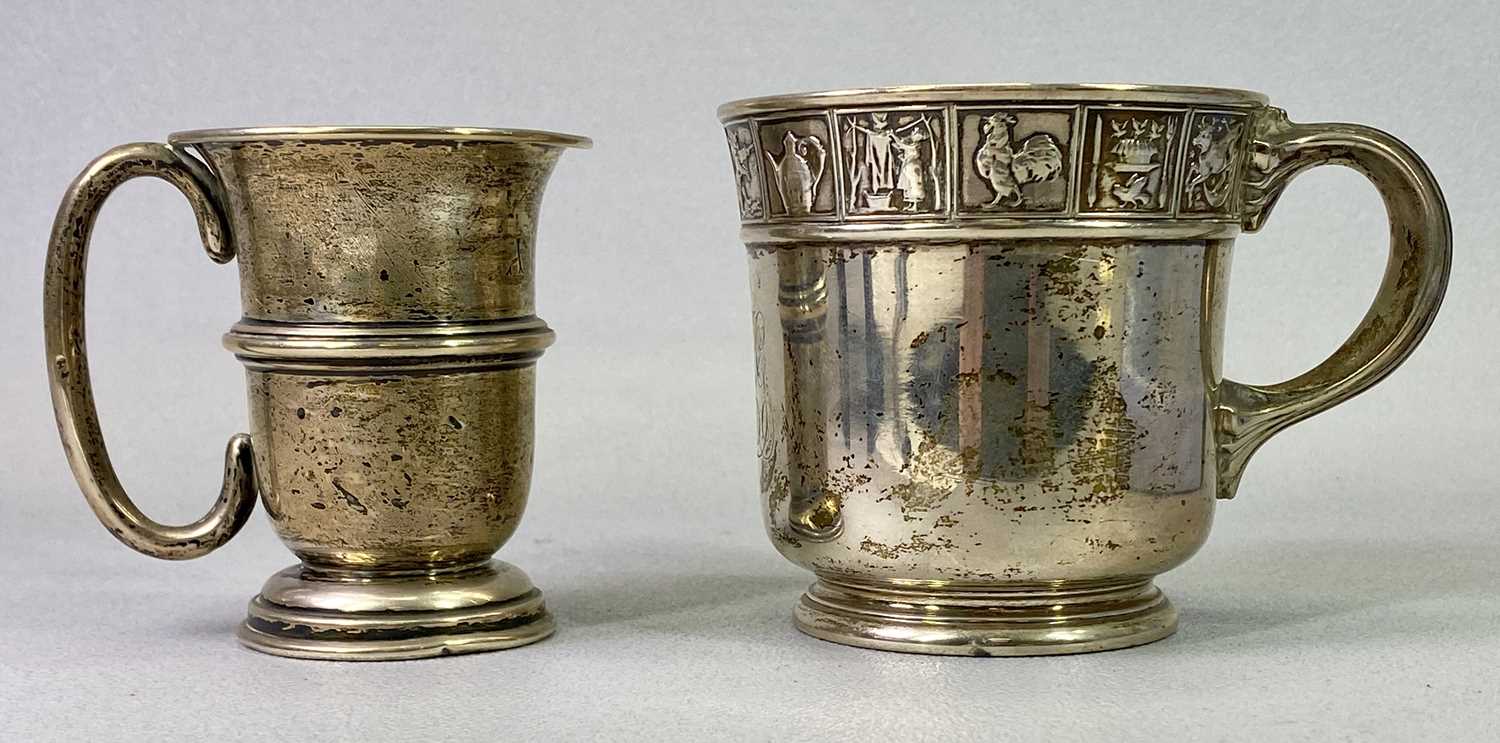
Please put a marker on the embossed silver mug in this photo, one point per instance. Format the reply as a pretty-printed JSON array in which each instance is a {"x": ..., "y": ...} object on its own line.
[
  {"x": 988, "y": 330},
  {"x": 390, "y": 341}
]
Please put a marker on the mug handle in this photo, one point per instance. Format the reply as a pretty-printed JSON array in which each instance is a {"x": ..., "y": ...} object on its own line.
[
  {"x": 1416, "y": 276},
  {"x": 67, "y": 358}
]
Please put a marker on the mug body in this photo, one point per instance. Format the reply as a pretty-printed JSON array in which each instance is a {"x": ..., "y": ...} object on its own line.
[
  {"x": 990, "y": 412},
  {"x": 390, "y": 341},
  {"x": 987, "y": 337},
  {"x": 360, "y": 261}
]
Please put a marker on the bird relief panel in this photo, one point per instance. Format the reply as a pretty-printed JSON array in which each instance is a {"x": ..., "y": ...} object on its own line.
[
  {"x": 1131, "y": 157},
  {"x": 1015, "y": 160},
  {"x": 798, "y": 167},
  {"x": 894, "y": 162}
]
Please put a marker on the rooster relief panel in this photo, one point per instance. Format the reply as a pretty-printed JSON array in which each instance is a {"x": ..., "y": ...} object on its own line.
[
  {"x": 895, "y": 162},
  {"x": 1015, "y": 160},
  {"x": 1131, "y": 157}
]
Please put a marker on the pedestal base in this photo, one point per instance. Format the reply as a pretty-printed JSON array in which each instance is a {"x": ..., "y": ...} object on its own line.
[
  {"x": 303, "y": 614},
  {"x": 1051, "y": 619}
]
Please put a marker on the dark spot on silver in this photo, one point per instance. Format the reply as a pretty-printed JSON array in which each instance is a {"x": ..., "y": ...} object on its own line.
[{"x": 350, "y": 499}]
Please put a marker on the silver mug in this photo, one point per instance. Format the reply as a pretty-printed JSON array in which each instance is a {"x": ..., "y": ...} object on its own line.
[
  {"x": 390, "y": 340},
  {"x": 988, "y": 325}
]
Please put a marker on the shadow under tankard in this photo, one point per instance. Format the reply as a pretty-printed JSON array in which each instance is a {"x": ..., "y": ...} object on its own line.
[
  {"x": 1314, "y": 581},
  {"x": 675, "y": 604}
]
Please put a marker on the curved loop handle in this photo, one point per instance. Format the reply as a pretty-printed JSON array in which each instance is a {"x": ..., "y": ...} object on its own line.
[
  {"x": 1416, "y": 276},
  {"x": 67, "y": 358}
]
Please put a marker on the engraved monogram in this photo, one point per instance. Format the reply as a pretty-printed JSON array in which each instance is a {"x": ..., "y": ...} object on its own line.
[
  {"x": 1131, "y": 160},
  {"x": 798, "y": 156},
  {"x": 746, "y": 170},
  {"x": 1211, "y": 157},
  {"x": 1016, "y": 160},
  {"x": 895, "y": 161}
]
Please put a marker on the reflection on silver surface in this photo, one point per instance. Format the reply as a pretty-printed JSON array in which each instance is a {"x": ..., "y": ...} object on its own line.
[{"x": 1022, "y": 410}]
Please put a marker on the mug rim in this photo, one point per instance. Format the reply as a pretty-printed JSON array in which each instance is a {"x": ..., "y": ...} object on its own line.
[
  {"x": 990, "y": 92},
  {"x": 345, "y": 133}
]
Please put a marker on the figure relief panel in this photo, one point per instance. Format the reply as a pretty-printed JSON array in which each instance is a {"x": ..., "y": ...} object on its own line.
[
  {"x": 895, "y": 162},
  {"x": 747, "y": 171},
  {"x": 1215, "y": 151}
]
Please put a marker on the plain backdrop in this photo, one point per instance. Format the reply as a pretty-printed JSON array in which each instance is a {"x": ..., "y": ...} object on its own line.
[{"x": 1348, "y": 593}]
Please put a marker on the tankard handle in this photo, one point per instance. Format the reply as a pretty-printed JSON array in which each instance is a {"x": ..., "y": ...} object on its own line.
[
  {"x": 67, "y": 357},
  {"x": 1416, "y": 276}
]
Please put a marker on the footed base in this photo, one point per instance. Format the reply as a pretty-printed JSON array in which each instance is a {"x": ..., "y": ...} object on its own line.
[
  {"x": 1043, "y": 619},
  {"x": 301, "y": 613}
]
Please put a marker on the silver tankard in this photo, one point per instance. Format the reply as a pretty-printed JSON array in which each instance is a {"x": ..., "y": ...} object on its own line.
[
  {"x": 389, "y": 339},
  {"x": 988, "y": 344}
]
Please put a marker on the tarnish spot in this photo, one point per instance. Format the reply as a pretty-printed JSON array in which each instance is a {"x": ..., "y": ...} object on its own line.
[{"x": 350, "y": 498}]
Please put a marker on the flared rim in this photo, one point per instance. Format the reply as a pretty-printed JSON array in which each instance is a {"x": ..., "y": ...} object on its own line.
[
  {"x": 1020, "y": 92},
  {"x": 379, "y": 133}
]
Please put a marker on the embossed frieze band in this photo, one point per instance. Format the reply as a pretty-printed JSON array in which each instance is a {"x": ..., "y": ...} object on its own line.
[{"x": 963, "y": 161}]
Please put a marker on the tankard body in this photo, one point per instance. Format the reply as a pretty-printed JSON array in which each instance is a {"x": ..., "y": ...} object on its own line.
[
  {"x": 988, "y": 355},
  {"x": 390, "y": 337}
]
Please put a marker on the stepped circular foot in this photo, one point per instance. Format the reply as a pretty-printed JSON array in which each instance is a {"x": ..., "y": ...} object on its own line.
[
  {"x": 301, "y": 614},
  {"x": 1045, "y": 619}
]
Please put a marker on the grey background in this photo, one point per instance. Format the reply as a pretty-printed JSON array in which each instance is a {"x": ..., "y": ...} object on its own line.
[{"x": 1349, "y": 593}]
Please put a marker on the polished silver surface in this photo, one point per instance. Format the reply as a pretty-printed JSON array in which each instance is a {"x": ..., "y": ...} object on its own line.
[{"x": 1025, "y": 411}]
